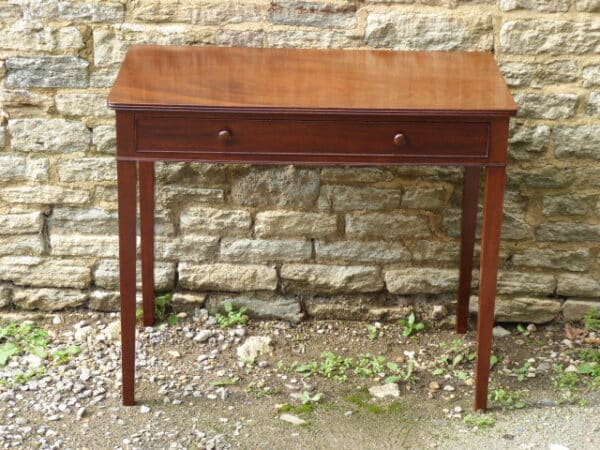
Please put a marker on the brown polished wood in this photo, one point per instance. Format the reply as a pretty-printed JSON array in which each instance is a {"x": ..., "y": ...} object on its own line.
[
  {"x": 309, "y": 140},
  {"x": 400, "y": 140},
  {"x": 314, "y": 107},
  {"x": 492, "y": 223},
  {"x": 147, "y": 233},
  {"x": 306, "y": 80},
  {"x": 126, "y": 177},
  {"x": 470, "y": 198}
]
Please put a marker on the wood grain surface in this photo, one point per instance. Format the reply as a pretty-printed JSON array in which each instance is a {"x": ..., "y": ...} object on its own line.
[{"x": 307, "y": 80}]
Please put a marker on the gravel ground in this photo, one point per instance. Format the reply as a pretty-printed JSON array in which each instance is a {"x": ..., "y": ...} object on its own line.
[{"x": 196, "y": 391}]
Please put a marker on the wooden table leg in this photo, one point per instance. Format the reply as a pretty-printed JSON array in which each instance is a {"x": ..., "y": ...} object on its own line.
[
  {"x": 490, "y": 248},
  {"x": 147, "y": 238},
  {"x": 126, "y": 175},
  {"x": 467, "y": 244}
]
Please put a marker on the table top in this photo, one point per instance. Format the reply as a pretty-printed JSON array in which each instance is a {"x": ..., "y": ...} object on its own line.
[{"x": 344, "y": 81}]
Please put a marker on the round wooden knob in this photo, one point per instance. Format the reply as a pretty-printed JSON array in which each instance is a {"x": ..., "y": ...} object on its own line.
[
  {"x": 225, "y": 136},
  {"x": 399, "y": 140}
]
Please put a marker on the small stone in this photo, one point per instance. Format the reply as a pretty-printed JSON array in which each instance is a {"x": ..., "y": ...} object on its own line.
[
  {"x": 434, "y": 386},
  {"x": 449, "y": 388},
  {"x": 571, "y": 369},
  {"x": 203, "y": 336},
  {"x": 548, "y": 402},
  {"x": 21, "y": 421},
  {"x": 113, "y": 331},
  {"x": 543, "y": 366},
  {"x": 239, "y": 332},
  {"x": 385, "y": 390},
  {"x": 85, "y": 375},
  {"x": 500, "y": 332},
  {"x": 222, "y": 393},
  {"x": 56, "y": 320},
  {"x": 33, "y": 360},
  {"x": 80, "y": 413},
  {"x": 439, "y": 312},
  {"x": 290, "y": 418},
  {"x": 82, "y": 333},
  {"x": 144, "y": 409},
  {"x": 253, "y": 347},
  {"x": 348, "y": 413}
]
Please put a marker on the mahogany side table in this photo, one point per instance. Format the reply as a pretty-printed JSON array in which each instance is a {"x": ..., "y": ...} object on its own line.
[{"x": 311, "y": 107}]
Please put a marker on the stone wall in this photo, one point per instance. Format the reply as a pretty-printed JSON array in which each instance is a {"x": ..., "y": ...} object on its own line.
[{"x": 351, "y": 243}]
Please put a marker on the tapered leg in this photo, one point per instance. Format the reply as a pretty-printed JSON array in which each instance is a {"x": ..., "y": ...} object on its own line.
[
  {"x": 490, "y": 248},
  {"x": 467, "y": 244},
  {"x": 126, "y": 174},
  {"x": 147, "y": 231}
]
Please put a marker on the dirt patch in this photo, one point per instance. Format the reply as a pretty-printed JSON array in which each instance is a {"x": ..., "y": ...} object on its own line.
[{"x": 194, "y": 392}]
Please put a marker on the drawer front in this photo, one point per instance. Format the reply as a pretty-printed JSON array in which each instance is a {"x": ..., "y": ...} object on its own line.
[{"x": 311, "y": 137}]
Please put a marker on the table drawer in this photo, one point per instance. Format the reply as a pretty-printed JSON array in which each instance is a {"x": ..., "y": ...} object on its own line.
[{"x": 312, "y": 137}]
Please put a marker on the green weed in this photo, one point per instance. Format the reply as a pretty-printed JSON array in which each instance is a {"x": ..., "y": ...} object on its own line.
[
  {"x": 458, "y": 353},
  {"x": 163, "y": 311},
  {"x": 64, "y": 356},
  {"x": 301, "y": 410},
  {"x": 411, "y": 325},
  {"x": 365, "y": 366},
  {"x": 482, "y": 422},
  {"x": 368, "y": 366},
  {"x": 25, "y": 338},
  {"x": 398, "y": 374},
  {"x": 506, "y": 400},
  {"x": 18, "y": 338},
  {"x": 373, "y": 332},
  {"x": 335, "y": 366},
  {"x": 523, "y": 371},
  {"x": 361, "y": 400},
  {"x": 566, "y": 380},
  {"x": 592, "y": 319},
  {"x": 307, "y": 369},
  {"x": 229, "y": 382},
  {"x": 591, "y": 366},
  {"x": 589, "y": 354},
  {"x": 308, "y": 399},
  {"x": 31, "y": 374},
  {"x": 260, "y": 392},
  {"x": 232, "y": 317}
]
